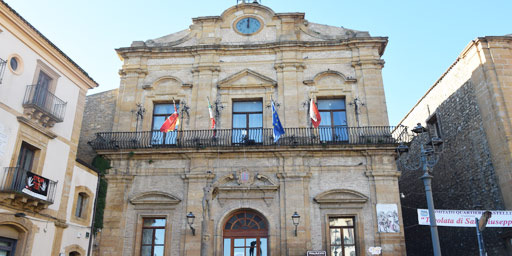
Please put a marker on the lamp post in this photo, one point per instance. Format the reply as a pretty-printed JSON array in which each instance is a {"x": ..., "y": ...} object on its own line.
[
  {"x": 190, "y": 221},
  {"x": 428, "y": 158},
  {"x": 295, "y": 220}
]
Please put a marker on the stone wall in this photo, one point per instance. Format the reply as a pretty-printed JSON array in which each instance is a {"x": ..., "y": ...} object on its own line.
[
  {"x": 464, "y": 178},
  {"x": 98, "y": 117}
]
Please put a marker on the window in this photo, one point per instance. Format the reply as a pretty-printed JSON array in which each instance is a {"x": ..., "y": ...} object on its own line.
[
  {"x": 161, "y": 112},
  {"x": 433, "y": 125},
  {"x": 153, "y": 237},
  {"x": 15, "y": 64},
  {"x": 247, "y": 122},
  {"x": 333, "y": 126},
  {"x": 246, "y": 234},
  {"x": 81, "y": 205},
  {"x": 342, "y": 236},
  {"x": 26, "y": 157},
  {"x": 7, "y": 246},
  {"x": 41, "y": 93}
]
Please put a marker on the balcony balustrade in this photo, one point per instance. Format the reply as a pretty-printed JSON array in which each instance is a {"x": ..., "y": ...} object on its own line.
[
  {"x": 43, "y": 106},
  {"x": 250, "y": 137},
  {"x": 26, "y": 188}
]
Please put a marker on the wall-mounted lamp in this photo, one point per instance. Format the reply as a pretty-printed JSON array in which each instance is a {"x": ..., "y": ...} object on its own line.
[
  {"x": 190, "y": 221},
  {"x": 295, "y": 219}
]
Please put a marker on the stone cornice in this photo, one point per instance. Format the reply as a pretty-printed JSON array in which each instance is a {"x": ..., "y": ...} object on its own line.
[
  {"x": 351, "y": 43},
  {"x": 378, "y": 63},
  {"x": 198, "y": 176}
]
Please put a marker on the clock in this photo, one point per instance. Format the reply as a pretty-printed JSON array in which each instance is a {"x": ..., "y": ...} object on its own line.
[{"x": 248, "y": 25}]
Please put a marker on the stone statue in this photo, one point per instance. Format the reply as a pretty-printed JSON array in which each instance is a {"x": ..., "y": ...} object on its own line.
[{"x": 207, "y": 198}]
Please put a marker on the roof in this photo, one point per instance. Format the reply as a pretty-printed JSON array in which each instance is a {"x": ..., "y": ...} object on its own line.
[{"x": 48, "y": 41}]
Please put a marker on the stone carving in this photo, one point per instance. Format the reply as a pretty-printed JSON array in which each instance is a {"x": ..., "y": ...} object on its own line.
[{"x": 207, "y": 199}]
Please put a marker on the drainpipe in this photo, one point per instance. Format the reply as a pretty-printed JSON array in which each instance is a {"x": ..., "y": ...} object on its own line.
[{"x": 93, "y": 214}]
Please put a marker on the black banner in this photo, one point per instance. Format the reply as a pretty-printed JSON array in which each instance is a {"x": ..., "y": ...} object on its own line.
[{"x": 36, "y": 186}]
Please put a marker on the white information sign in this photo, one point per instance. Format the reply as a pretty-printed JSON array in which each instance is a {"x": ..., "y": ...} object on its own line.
[{"x": 466, "y": 218}]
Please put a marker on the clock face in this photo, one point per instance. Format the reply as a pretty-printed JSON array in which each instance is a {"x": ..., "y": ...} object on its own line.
[{"x": 248, "y": 25}]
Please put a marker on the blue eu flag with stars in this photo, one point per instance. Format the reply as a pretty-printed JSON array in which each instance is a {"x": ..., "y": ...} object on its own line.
[{"x": 278, "y": 128}]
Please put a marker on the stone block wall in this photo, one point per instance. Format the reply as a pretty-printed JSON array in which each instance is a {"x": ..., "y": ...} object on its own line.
[
  {"x": 98, "y": 117},
  {"x": 464, "y": 178}
]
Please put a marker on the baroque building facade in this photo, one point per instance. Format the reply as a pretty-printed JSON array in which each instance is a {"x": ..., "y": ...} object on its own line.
[
  {"x": 46, "y": 194},
  {"x": 468, "y": 108},
  {"x": 241, "y": 186}
]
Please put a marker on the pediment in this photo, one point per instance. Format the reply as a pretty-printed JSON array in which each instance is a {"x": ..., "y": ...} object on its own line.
[
  {"x": 154, "y": 197},
  {"x": 341, "y": 196},
  {"x": 329, "y": 77},
  {"x": 246, "y": 79}
]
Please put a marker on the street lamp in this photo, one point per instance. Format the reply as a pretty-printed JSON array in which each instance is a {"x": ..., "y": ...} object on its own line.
[
  {"x": 190, "y": 221},
  {"x": 429, "y": 156},
  {"x": 295, "y": 220}
]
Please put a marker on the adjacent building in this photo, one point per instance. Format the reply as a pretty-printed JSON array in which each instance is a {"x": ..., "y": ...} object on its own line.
[
  {"x": 469, "y": 108},
  {"x": 46, "y": 195},
  {"x": 233, "y": 189}
]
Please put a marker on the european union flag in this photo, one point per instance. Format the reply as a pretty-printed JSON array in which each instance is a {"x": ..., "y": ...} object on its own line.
[{"x": 278, "y": 128}]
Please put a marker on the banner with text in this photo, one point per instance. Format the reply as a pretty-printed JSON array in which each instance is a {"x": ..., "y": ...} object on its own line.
[{"x": 466, "y": 218}]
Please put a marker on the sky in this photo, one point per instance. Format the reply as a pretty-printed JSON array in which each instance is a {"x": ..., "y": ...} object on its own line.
[{"x": 425, "y": 37}]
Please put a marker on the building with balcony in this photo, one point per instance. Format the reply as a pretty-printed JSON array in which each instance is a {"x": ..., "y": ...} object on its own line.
[
  {"x": 46, "y": 196},
  {"x": 469, "y": 108},
  {"x": 232, "y": 189}
]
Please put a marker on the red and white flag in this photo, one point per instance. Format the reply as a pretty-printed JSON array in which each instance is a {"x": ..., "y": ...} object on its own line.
[
  {"x": 314, "y": 114},
  {"x": 171, "y": 122},
  {"x": 210, "y": 110}
]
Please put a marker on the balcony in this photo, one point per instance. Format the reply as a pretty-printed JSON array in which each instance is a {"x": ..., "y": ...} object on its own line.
[
  {"x": 255, "y": 137},
  {"x": 26, "y": 189},
  {"x": 43, "y": 106}
]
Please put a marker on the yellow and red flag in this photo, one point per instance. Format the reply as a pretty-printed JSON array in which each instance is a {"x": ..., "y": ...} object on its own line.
[
  {"x": 314, "y": 114},
  {"x": 171, "y": 122}
]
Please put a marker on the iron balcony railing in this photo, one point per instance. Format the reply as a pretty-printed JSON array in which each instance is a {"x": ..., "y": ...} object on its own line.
[
  {"x": 250, "y": 137},
  {"x": 42, "y": 99},
  {"x": 3, "y": 63},
  {"x": 17, "y": 180}
]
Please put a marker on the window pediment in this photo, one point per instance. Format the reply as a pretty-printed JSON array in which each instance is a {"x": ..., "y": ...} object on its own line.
[
  {"x": 246, "y": 79},
  {"x": 154, "y": 197},
  {"x": 341, "y": 196}
]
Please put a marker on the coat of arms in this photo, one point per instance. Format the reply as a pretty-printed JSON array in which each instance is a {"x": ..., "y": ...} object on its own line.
[{"x": 245, "y": 177}]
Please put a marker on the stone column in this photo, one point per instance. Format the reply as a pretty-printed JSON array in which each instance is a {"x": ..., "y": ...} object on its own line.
[
  {"x": 114, "y": 220},
  {"x": 202, "y": 242},
  {"x": 385, "y": 182}
]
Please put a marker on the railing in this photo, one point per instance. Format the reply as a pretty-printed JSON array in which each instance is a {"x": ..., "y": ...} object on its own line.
[
  {"x": 15, "y": 179},
  {"x": 3, "y": 63},
  {"x": 44, "y": 100},
  {"x": 249, "y": 137}
]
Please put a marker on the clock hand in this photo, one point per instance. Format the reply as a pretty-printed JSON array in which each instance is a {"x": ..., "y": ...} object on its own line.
[{"x": 248, "y": 22}]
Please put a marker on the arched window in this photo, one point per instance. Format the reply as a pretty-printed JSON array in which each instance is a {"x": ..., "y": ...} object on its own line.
[
  {"x": 246, "y": 234},
  {"x": 74, "y": 254}
]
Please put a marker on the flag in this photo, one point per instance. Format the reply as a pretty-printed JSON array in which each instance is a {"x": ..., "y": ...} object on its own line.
[
  {"x": 314, "y": 114},
  {"x": 278, "y": 128},
  {"x": 171, "y": 122},
  {"x": 210, "y": 110}
]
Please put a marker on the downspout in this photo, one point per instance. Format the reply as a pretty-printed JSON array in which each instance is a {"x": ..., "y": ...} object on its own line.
[{"x": 94, "y": 214}]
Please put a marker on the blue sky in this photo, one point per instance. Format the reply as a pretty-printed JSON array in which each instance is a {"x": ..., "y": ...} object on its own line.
[{"x": 425, "y": 37}]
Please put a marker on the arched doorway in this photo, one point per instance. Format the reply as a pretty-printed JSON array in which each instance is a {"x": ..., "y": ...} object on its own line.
[{"x": 246, "y": 234}]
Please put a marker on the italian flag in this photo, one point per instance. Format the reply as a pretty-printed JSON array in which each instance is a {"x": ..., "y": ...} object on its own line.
[
  {"x": 314, "y": 114},
  {"x": 210, "y": 110},
  {"x": 171, "y": 122}
]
